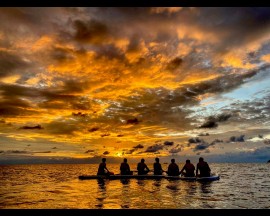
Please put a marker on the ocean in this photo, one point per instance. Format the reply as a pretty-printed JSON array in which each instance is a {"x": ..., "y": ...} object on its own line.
[{"x": 56, "y": 186}]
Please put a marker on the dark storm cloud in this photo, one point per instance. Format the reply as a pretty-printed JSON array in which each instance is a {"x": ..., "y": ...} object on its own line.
[
  {"x": 159, "y": 101},
  {"x": 158, "y": 106},
  {"x": 11, "y": 105},
  {"x": 235, "y": 26},
  {"x": 12, "y": 90},
  {"x": 200, "y": 147},
  {"x": 154, "y": 148},
  {"x": 224, "y": 83},
  {"x": 174, "y": 64},
  {"x": 11, "y": 64},
  {"x": 266, "y": 141},
  {"x": 92, "y": 31},
  {"x": 31, "y": 127},
  {"x": 195, "y": 140},
  {"x": 200, "y": 144},
  {"x": 62, "y": 127},
  {"x": 168, "y": 143},
  {"x": 133, "y": 121},
  {"x": 60, "y": 54},
  {"x": 130, "y": 151},
  {"x": 211, "y": 122},
  {"x": 52, "y": 98},
  {"x": 93, "y": 129},
  {"x": 237, "y": 139},
  {"x": 216, "y": 141},
  {"x": 110, "y": 51},
  {"x": 138, "y": 146},
  {"x": 89, "y": 151},
  {"x": 31, "y": 20},
  {"x": 203, "y": 145}
]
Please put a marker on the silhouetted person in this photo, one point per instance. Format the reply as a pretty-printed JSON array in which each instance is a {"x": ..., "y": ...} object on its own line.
[
  {"x": 173, "y": 169},
  {"x": 189, "y": 169},
  {"x": 142, "y": 168},
  {"x": 124, "y": 168},
  {"x": 157, "y": 167},
  {"x": 102, "y": 169},
  {"x": 203, "y": 167}
]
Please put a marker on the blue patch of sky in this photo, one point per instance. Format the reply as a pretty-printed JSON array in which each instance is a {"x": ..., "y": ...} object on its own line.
[{"x": 254, "y": 88}]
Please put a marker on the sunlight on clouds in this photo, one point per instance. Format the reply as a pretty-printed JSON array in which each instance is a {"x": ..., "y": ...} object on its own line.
[
  {"x": 266, "y": 58},
  {"x": 10, "y": 79},
  {"x": 82, "y": 73},
  {"x": 42, "y": 43},
  {"x": 32, "y": 81},
  {"x": 198, "y": 77},
  {"x": 200, "y": 36},
  {"x": 233, "y": 60},
  {"x": 166, "y": 9}
]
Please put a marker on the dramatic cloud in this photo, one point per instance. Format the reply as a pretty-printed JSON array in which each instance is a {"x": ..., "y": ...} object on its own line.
[
  {"x": 168, "y": 143},
  {"x": 154, "y": 148},
  {"x": 138, "y": 146},
  {"x": 91, "y": 31},
  {"x": 203, "y": 134},
  {"x": 212, "y": 120},
  {"x": 32, "y": 127},
  {"x": 175, "y": 150},
  {"x": 266, "y": 141},
  {"x": 89, "y": 151},
  {"x": 110, "y": 78},
  {"x": 195, "y": 140},
  {"x": 237, "y": 139}
]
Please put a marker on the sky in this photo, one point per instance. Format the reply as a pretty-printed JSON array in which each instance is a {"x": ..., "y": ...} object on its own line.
[{"x": 77, "y": 84}]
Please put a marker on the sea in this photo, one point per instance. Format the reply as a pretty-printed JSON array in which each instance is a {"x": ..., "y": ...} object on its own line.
[{"x": 56, "y": 186}]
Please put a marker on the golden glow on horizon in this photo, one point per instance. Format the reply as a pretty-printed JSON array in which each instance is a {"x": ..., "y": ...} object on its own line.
[{"x": 100, "y": 84}]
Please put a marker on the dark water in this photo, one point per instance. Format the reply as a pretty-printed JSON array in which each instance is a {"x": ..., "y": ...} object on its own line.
[{"x": 57, "y": 186}]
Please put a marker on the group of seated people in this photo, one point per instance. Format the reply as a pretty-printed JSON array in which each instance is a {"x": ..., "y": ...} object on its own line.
[{"x": 173, "y": 169}]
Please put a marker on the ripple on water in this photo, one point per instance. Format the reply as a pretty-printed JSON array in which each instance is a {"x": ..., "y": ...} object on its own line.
[{"x": 57, "y": 186}]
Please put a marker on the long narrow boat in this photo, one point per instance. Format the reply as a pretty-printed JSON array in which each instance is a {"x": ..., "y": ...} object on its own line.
[
  {"x": 201, "y": 179},
  {"x": 113, "y": 177}
]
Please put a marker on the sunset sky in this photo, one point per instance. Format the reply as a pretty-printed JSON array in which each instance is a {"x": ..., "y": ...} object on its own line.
[{"x": 135, "y": 82}]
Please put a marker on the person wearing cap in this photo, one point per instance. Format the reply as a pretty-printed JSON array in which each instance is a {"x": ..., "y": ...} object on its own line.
[
  {"x": 189, "y": 169},
  {"x": 203, "y": 167},
  {"x": 173, "y": 169},
  {"x": 142, "y": 168}
]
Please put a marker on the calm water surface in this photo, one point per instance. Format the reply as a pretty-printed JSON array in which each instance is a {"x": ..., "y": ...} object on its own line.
[{"x": 58, "y": 186}]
